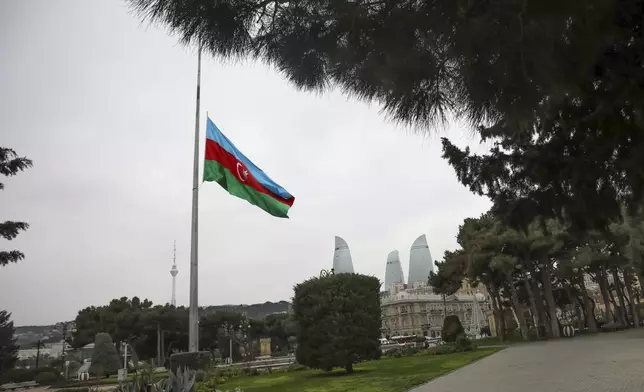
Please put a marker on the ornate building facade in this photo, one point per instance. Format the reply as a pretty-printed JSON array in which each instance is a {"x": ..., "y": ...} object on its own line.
[{"x": 418, "y": 311}]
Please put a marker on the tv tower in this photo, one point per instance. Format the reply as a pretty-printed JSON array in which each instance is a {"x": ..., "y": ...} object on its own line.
[{"x": 174, "y": 271}]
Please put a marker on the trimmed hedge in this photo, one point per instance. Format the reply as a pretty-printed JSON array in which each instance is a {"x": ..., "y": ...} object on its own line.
[
  {"x": 196, "y": 361},
  {"x": 24, "y": 375},
  {"x": 46, "y": 378}
]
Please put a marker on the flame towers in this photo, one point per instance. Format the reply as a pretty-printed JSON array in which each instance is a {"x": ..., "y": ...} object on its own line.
[
  {"x": 342, "y": 262},
  {"x": 393, "y": 271},
  {"x": 420, "y": 261}
]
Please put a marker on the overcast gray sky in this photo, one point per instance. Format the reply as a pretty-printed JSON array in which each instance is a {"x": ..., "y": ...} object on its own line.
[{"x": 105, "y": 108}]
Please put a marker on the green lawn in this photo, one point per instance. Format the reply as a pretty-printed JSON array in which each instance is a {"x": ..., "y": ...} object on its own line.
[{"x": 386, "y": 375}]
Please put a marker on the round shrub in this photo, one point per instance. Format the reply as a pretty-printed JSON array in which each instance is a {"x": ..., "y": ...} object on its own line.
[
  {"x": 462, "y": 344},
  {"x": 452, "y": 328}
]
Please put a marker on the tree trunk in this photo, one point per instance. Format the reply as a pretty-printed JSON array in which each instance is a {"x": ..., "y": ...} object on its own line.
[
  {"x": 502, "y": 325},
  {"x": 629, "y": 290},
  {"x": 533, "y": 304},
  {"x": 349, "y": 367},
  {"x": 159, "y": 362},
  {"x": 518, "y": 308},
  {"x": 601, "y": 280},
  {"x": 575, "y": 304},
  {"x": 538, "y": 299},
  {"x": 620, "y": 296},
  {"x": 550, "y": 300},
  {"x": 591, "y": 323},
  {"x": 499, "y": 321}
]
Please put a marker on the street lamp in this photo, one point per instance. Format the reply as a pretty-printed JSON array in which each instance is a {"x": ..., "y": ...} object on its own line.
[
  {"x": 64, "y": 328},
  {"x": 243, "y": 336}
]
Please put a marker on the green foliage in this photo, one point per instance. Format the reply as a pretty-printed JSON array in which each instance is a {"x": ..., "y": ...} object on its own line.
[
  {"x": 105, "y": 359},
  {"x": 46, "y": 378},
  {"x": 449, "y": 276},
  {"x": 8, "y": 346},
  {"x": 81, "y": 389},
  {"x": 191, "y": 360},
  {"x": 403, "y": 351},
  {"x": 339, "y": 320},
  {"x": 10, "y": 165},
  {"x": 546, "y": 82},
  {"x": 24, "y": 375},
  {"x": 138, "y": 321},
  {"x": 463, "y": 344},
  {"x": 295, "y": 367},
  {"x": 452, "y": 328}
]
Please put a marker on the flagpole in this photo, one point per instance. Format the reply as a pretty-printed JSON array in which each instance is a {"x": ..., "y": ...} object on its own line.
[{"x": 193, "y": 329}]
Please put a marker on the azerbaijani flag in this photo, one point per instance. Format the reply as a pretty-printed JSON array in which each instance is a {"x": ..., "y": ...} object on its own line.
[{"x": 227, "y": 166}]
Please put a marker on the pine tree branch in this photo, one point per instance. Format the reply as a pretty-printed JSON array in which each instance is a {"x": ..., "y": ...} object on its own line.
[
  {"x": 12, "y": 256},
  {"x": 9, "y": 229},
  {"x": 11, "y": 163}
]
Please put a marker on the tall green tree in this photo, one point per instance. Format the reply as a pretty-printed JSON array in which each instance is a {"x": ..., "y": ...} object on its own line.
[
  {"x": 105, "y": 359},
  {"x": 339, "y": 320},
  {"x": 8, "y": 346},
  {"x": 10, "y": 165}
]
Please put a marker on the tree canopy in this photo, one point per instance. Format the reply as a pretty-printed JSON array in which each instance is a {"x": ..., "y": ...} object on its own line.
[
  {"x": 556, "y": 85},
  {"x": 10, "y": 165},
  {"x": 542, "y": 274},
  {"x": 140, "y": 323},
  {"x": 339, "y": 320},
  {"x": 8, "y": 346}
]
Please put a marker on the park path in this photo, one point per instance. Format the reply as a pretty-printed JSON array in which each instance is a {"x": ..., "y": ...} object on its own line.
[{"x": 611, "y": 362}]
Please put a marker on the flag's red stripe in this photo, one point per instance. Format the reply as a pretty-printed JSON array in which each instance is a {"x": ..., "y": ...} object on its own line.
[{"x": 215, "y": 152}]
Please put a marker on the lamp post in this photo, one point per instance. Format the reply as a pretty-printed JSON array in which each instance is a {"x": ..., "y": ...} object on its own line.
[
  {"x": 243, "y": 336},
  {"x": 64, "y": 328}
]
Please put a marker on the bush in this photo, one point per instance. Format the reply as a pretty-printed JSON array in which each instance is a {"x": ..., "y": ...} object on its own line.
[
  {"x": 46, "y": 378},
  {"x": 295, "y": 367},
  {"x": 442, "y": 349},
  {"x": 452, "y": 328},
  {"x": 327, "y": 337},
  {"x": 81, "y": 389},
  {"x": 196, "y": 361},
  {"x": 105, "y": 359},
  {"x": 402, "y": 351},
  {"x": 200, "y": 376},
  {"x": 24, "y": 375},
  {"x": 463, "y": 344},
  {"x": 250, "y": 372},
  {"x": 17, "y": 375}
]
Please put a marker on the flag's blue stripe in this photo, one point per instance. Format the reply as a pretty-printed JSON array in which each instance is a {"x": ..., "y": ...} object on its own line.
[{"x": 213, "y": 133}]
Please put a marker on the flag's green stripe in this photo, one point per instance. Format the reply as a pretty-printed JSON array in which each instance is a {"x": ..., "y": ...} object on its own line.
[{"x": 214, "y": 171}]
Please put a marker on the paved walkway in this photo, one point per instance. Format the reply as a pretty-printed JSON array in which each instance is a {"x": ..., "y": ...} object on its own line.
[{"x": 611, "y": 362}]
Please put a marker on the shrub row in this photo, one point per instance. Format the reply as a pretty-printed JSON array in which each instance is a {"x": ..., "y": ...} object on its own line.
[{"x": 49, "y": 375}]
